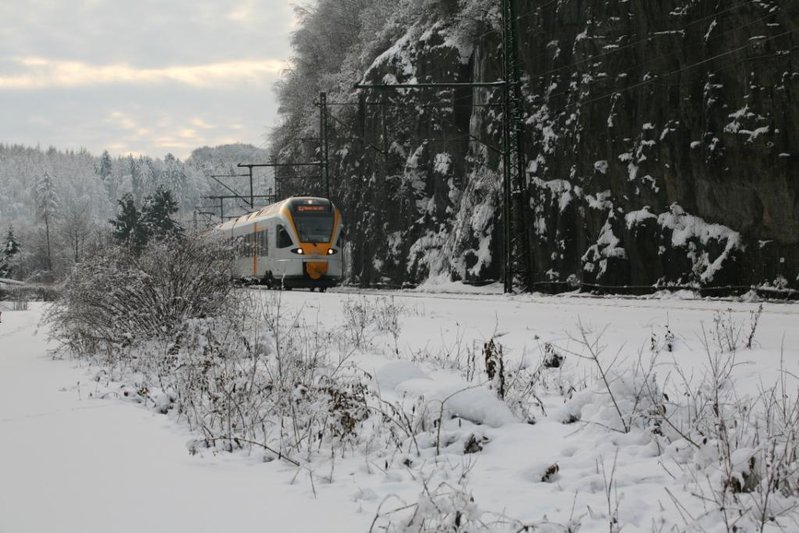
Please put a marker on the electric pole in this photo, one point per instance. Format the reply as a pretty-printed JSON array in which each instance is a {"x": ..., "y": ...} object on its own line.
[
  {"x": 515, "y": 192},
  {"x": 507, "y": 230},
  {"x": 323, "y": 142}
]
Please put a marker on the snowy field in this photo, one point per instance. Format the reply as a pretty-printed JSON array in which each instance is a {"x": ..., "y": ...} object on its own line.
[{"x": 604, "y": 439}]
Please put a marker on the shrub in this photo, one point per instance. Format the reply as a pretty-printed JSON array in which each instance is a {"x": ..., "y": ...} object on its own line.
[{"x": 115, "y": 297}]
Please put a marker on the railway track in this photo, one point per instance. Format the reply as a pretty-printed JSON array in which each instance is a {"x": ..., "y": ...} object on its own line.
[{"x": 770, "y": 307}]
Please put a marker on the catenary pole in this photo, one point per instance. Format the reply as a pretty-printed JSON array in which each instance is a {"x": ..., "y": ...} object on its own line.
[
  {"x": 323, "y": 142},
  {"x": 507, "y": 230}
]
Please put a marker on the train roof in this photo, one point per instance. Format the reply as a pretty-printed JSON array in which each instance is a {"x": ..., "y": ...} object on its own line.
[{"x": 291, "y": 203}]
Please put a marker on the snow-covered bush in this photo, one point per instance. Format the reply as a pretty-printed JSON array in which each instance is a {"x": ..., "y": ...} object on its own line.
[
  {"x": 730, "y": 334},
  {"x": 254, "y": 376},
  {"x": 116, "y": 298},
  {"x": 739, "y": 453},
  {"x": 364, "y": 318},
  {"x": 444, "y": 504}
]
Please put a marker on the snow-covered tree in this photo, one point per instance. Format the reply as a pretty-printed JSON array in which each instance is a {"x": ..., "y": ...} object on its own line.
[
  {"x": 9, "y": 254},
  {"x": 105, "y": 170},
  {"x": 136, "y": 227},
  {"x": 75, "y": 226},
  {"x": 128, "y": 226},
  {"x": 173, "y": 175},
  {"x": 135, "y": 179},
  {"x": 46, "y": 206},
  {"x": 157, "y": 215}
]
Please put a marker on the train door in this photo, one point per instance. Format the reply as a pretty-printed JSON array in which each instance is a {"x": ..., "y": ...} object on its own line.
[
  {"x": 253, "y": 238},
  {"x": 283, "y": 243},
  {"x": 262, "y": 249},
  {"x": 269, "y": 242}
]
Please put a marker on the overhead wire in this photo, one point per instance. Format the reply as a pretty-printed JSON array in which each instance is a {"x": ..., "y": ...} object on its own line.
[
  {"x": 662, "y": 57},
  {"x": 607, "y": 53},
  {"x": 518, "y": 17},
  {"x": 659, "y": 77},
  {"x": 572, "y": 66},
  {"x": 647, "y": 39},
  {"x": 653, "y": 79}
]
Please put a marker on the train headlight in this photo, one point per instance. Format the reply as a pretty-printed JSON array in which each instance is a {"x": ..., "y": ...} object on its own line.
[
  {"x": 298, "y": 251},
  {"x": 331, "y": 251}
]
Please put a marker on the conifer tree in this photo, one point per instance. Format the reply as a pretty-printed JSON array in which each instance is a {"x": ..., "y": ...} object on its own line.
[
  {"x": 128, "y": 225},
  {"x": 105, "y": 170},
  {"x": 154, "y": 221},
  {"x": 157, "y": 215},
  {"x": 106, "y": 166},
  {"x": 10, "y": 250}
]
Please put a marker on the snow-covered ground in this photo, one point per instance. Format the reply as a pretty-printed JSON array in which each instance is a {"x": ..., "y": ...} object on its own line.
[
  {"x": 70, "y": 462},
  {"x": 75, "y": 458}
]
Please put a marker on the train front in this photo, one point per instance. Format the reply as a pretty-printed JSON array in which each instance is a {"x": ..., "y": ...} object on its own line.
[{"x": 317, "y": 224}]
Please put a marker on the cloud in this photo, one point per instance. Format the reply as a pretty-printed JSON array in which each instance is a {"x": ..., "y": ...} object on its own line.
[
  {"x": 136, "y": 119},
  {"x": 243, "y": 14},
  {"x": 40, "y": 73},
  {"x": 122, "y": 120},
  {"x": 154, "y": 78}
]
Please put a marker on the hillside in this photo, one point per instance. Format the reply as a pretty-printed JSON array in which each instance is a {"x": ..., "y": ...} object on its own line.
[
  {"x": 660, "y": 140},
  {"x": 83, "y": 191}
]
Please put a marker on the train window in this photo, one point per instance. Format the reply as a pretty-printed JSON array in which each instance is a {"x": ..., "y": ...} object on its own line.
[
  {"x": 249, "y": 245},
  {"x": 243, "y": 245},
  {"x": 314, "y": 226},
  {"x": 263, "y": 249},
  {"x": 283, "y": 238}
]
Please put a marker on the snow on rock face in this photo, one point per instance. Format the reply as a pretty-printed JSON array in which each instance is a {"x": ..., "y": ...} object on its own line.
[
  {"x": 561, "y": 189},
  {"x": 400, "y": 57},
  {"x": 607, "y": 247},
  {"x": 470, "y": 243},
  {"x": 687, "y": 230},
  {"x": 442, "y": 163},
  {"x": 634, "y": 218},
  {"x": 723, "y": 155}
]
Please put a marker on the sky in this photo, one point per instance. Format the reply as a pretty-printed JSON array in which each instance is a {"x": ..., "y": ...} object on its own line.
[{"x": 146, "y": 77}]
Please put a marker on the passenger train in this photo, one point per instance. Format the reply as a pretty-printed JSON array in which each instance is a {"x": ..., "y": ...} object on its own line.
[{"x": 294, "y": 243}]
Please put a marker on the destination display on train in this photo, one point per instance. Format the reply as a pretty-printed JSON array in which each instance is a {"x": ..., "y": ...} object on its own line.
[{"x": 311, "y": 208}]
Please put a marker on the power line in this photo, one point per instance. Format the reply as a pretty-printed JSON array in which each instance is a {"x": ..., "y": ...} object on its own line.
[
  {"x": 418, "y": 106},
  {"x": 659, "y": 77},
  {"x": 431, "y": 85},
  {"x": 648, "y": 38},
  {"x": 674, "y": 53}
]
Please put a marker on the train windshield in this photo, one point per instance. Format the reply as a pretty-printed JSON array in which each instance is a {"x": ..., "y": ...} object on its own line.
[{"x": 314, "y": 226}]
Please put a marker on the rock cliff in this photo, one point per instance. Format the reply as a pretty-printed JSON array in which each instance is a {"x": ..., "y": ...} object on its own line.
[{"x": 661, "y": 146}]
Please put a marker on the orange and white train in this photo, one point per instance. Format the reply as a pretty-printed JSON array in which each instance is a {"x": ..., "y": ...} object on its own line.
[{"x": 294, "y": 243}]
